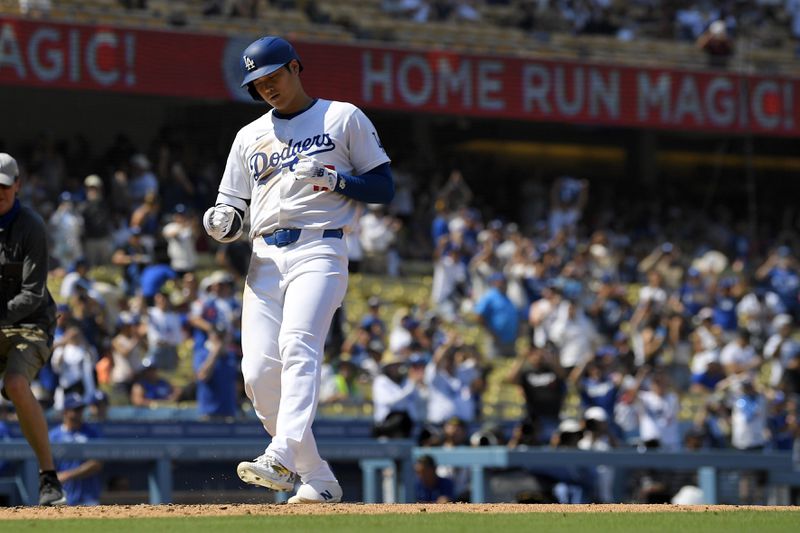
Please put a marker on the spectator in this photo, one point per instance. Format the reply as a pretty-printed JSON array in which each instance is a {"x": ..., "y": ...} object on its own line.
[
  {"x": 81, "y": 478},
  {"x": 6, "y": 467},
  {"x": 609, "y": 307},
  {"x": 142, "y": 180},
  {"x": 571, "y": 483},
  {"x": 500, "y": 319},
  {"x": 66, "y": 231},
  {"x": 88, "y": 312},
  {"x": 653, "y": 294},
  {"x": 665, "y": 261},
  {"x": 35, "y": 8},
  {"x": 396, "y": 396},
  {"x": 343, "y": 387},
  {"x": 97, "y": 223},
  {"x": 98, "y": 407},
  {"x": 455, "y": 193},
  {"x": 440, "y": 223},
  {"x": 707, "y": 371},
  {"x": 450, "y": 280},
  {"x": 755, "y": 312},
  {"x": 596, "y": 432},
  {"x": 466, "y": 10},
  {"x": 404, "y": 334},
  {"x": 543, "y": 383},
  {"x": 370, "y": 362},
  {"x": 79, "y": 273},
  {"x": 73, "y": 362},
  {"x": 356, "y": 345},
  {"x": 749, "y": 412},
  {"x": 725, "y": 308},
  {"x": 717, "y": 44},
  {"x": 133, "y": 257},
  {"x": 429, "y": 487},
  {"x": 155, "y": 275},
  {"x": 213, "y": 310},
  {"x": 455, "y": 435},
  {"x": 657, "y": 410},
  {"x": 738, "y": 356},
  {"x": 216, "y": 368},
  {"x": 146, "y": 218},
  {"x": 150, "y": 389},
  {"x": 779, "y": 421},
  {"x": 782, "y": 349},
  {"x": 164, "y": 332},
  {"x": 568, "y": 198},
  {"x": 781, "y": 273},
  {"x": 181, "y": 235},
  {"x": 693, "y": 294},
  {"x": 377, "y": 239},
  {"x": 372, "y": 321},
  {"x": 598, "y": 437},
  {"x": 542, "y": 314},
  {"x": 449, "y": 394},
  {"x": 573, "y": 334},
  {"x": 597, "y": 384},
  {"x": 128, "y": 350}
]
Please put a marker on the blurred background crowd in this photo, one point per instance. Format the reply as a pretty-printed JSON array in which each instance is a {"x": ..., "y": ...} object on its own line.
[{"x": 661, "y": 327}]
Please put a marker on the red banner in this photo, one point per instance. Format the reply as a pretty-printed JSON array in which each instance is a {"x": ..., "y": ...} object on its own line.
[{"x": 39, "y": 54}]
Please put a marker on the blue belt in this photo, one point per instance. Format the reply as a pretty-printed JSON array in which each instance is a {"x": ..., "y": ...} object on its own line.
[{"x": 285, "y": 237}]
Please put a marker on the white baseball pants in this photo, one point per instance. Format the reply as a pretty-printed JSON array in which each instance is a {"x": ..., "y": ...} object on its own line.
[{"x": 289, "y": 299}]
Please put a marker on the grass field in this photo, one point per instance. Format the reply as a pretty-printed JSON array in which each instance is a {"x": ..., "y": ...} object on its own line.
[{"x": 705, "y": 522}]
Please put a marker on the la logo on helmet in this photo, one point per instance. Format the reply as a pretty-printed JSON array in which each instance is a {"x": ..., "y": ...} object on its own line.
[{"x": 249, "y": 64}]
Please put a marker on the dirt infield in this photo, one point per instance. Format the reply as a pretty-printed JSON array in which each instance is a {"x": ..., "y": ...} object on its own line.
[{"x": 137, "y": 511}]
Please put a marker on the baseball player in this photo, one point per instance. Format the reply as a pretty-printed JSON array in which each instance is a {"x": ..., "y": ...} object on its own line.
[{"x": 303, "y": 169}]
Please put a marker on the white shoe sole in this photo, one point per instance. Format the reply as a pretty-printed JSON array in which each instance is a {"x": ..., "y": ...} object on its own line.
[
  {"x": 300, "y": 499},
  {"x": 60, "y": 501},
  {"x": 247, "y": 475}
]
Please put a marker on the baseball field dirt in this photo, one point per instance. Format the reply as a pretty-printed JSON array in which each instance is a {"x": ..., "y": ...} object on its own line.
[
  {"x": 153, "y": 511},
  {"x": 417, "y": 518}
]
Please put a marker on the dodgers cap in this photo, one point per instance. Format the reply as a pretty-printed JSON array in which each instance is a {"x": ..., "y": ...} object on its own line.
[
  {"x": 265, "y": 56},
  {"x": 74, "y": 401},
  {"x": 8, "y": 170}
]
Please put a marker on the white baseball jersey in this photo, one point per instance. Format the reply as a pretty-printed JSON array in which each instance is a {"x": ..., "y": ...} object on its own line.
[{"x": 262, "y": 158}]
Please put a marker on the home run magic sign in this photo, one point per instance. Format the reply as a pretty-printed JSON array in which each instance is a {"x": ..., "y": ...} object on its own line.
[{"x": 205, "y": 66}]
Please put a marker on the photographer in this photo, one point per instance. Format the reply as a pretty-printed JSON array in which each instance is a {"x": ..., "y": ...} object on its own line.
[{"x": 27, "y": 320}]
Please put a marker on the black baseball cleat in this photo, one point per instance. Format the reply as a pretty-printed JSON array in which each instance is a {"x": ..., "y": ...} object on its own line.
[{"x": 50, "y": 490}]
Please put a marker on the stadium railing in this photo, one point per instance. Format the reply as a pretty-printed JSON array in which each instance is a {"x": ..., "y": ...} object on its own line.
[
  {"x": 159, "y": 455},
  {"x": 778, "y": 465},
  {"x": 371, "y": 455}
]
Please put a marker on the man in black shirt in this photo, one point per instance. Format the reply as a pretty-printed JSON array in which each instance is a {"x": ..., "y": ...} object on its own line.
[
  {"x": 27, "y": 320},
  {"x": 97, "y": 223},
  {"x": 542, "y": 380}
]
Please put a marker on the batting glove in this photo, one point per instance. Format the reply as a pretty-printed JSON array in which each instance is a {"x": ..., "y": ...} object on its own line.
[
  {"x": 223, "y": 223},
  {"x": 312, "y": 172}
]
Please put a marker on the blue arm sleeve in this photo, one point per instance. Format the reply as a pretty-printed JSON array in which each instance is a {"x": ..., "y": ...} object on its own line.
[{"x": 373, "y": 187}]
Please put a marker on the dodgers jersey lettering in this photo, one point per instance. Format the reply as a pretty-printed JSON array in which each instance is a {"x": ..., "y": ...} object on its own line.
[{"x": 261, "y": 163}]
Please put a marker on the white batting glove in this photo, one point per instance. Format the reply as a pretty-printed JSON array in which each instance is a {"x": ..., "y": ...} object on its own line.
[
  {"x": 223, "y": 223},
  {"x": 311, "y": 172}
]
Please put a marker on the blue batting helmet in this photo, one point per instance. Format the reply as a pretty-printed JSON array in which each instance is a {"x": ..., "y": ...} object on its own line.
[{"x": 265, "y": 56}]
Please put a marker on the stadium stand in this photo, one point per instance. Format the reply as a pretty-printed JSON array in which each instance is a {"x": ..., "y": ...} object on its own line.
[{"x": 630, "y": 33}]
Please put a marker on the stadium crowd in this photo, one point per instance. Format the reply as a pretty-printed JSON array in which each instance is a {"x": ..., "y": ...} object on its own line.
[
  {"x": 768, "y": 23},
  {"x": 635, "y": 315}
]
